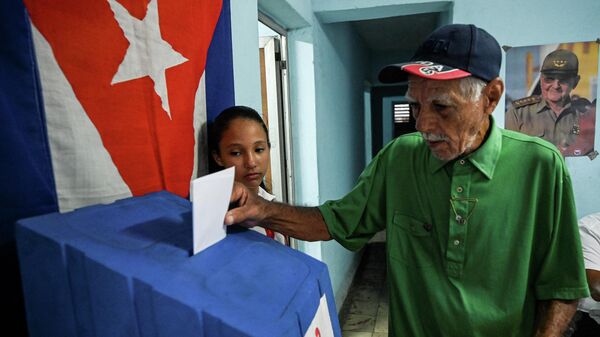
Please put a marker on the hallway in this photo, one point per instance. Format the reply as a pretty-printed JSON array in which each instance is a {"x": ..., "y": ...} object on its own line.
[{"x": 365, "y": 310}]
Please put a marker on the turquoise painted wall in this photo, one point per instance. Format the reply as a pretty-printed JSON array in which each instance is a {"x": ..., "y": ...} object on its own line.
[
  {"x": 341, "y": 65},
  {"x": 246, "y": 64},
  {"x": 328, "y": 66}
]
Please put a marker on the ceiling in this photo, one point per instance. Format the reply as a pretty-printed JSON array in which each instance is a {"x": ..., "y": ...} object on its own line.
[{"x": 396, "y": 34}]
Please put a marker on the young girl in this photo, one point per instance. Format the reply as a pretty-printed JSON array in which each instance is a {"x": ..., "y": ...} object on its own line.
[{"x": 240, "y": 138}]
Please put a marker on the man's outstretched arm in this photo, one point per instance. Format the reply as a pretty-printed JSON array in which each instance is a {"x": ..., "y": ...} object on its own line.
[
  {"x": 305, "y": 223},
  {"x": 554, "y": 317}
]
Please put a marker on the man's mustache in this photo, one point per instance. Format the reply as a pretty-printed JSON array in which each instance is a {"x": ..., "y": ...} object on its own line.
[{"x": 434, "y": 137}]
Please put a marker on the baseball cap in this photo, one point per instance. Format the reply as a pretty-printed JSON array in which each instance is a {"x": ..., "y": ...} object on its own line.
[
  {"x": 450, "y": 52},
  {"x": 560, "y": 62}
]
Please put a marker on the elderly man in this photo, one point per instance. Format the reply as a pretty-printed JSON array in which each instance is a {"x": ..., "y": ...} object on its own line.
[
  {"x": 481, "y": 239},
  {"x": 554, "y": 115}
]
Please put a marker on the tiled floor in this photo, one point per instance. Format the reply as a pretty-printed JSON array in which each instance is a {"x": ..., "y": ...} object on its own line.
[{"x": 365, "y": 310}]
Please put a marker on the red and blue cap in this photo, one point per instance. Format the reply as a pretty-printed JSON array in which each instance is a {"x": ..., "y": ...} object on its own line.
[{"x": 450, "y": 52}]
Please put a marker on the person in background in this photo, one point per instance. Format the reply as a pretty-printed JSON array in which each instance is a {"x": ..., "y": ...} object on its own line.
[
  {"x": 588, "y": 324},
  {"x": 480, "y": 222},
  {"x": 240, "y": 138},
  {"x": 555, "y": 115}
]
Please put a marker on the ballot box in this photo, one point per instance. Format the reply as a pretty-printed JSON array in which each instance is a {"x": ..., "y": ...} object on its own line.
[{"x": 126, "y": 269}]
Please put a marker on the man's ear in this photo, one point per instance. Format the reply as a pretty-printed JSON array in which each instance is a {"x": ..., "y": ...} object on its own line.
[
  {"x": 217, "y": 158},
  {"x": 493, "y": 93}
]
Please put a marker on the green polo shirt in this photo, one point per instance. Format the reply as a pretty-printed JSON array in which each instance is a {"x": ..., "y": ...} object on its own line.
[{"x": 472, "y": 244}]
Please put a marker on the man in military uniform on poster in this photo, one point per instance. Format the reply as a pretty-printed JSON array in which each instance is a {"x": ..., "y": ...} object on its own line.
[{"x": 555, "y": 115}]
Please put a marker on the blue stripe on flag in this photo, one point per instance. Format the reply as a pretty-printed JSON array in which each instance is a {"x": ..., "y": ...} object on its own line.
[
  {"x": 25, "y": 169},
  {"x": 219, "y": 67},
  {"x": 25, "y": 166}
]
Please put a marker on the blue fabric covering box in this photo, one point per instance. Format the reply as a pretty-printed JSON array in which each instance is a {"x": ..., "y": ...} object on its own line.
[{"x": 125, "y": 269}]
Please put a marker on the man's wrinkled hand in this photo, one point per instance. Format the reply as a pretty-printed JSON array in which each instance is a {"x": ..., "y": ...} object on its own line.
[{"x": 247, "y": 209}]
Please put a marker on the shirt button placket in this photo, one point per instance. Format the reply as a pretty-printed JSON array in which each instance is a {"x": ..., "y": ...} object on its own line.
[{"x": 458, "y": 222}]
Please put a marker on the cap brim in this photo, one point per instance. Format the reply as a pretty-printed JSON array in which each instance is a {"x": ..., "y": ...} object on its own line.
[
  {"x": 567, "y": 73},
  {"x": 425, "y": 69}
]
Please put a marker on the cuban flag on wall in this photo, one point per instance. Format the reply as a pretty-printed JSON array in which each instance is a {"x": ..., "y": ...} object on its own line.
[{"x": 105, "y": 99}]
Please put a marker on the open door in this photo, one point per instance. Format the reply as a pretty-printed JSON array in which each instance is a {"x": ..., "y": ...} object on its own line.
[
  {"x": 270, "y": 73},
  {"x": 274, "y": 96}
]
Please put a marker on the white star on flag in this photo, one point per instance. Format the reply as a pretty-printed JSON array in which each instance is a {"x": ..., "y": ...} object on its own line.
[{"x": 148, "y": 54}]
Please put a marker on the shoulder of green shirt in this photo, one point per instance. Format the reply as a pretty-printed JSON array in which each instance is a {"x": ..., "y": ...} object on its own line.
[
  {"x": 537, "y": 145},
  {"x": 521, "y": 137},
  {"x": 409, "y": 140}
]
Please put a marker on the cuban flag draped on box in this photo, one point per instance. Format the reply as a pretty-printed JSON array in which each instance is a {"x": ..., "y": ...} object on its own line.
[{"x": 106, "y": 99}]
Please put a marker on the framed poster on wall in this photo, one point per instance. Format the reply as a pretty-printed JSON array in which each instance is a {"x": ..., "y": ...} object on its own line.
[{"x": 551, "y": 93}]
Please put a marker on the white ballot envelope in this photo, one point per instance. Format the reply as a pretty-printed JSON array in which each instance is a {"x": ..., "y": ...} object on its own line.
[{"x": 210, "y": 201}]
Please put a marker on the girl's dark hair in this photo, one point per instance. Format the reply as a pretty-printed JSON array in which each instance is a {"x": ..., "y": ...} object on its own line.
[
  {"x": 222, "y": 123},
  {"x": 224, "y": 119}
]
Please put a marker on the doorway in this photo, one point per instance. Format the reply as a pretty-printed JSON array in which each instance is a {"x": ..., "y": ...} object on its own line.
[{"x": 275, "y": 106}]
